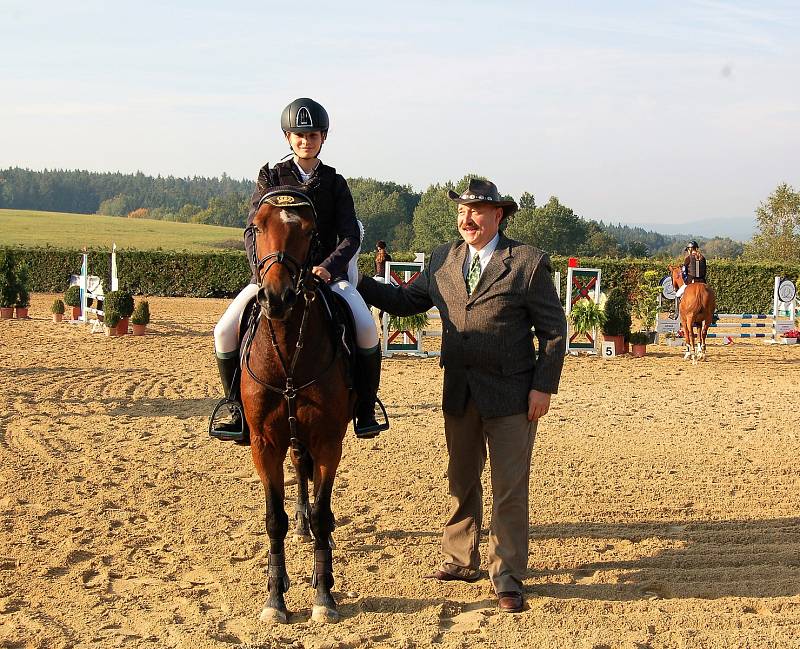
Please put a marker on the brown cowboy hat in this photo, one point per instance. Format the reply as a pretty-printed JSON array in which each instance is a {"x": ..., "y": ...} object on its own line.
[{"x": 483, "y": 191}]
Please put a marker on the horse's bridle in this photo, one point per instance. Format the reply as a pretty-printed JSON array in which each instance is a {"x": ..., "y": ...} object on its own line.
[
  {"x": 285, "y": 197},
  {"x": 299, "y": 274}
]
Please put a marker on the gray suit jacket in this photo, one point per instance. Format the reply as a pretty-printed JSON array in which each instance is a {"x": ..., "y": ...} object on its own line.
[{"x": 487, "y": 343}]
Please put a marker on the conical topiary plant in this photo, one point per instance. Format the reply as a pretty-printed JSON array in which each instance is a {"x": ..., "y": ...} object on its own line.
[{"x": 618, "y": 314}]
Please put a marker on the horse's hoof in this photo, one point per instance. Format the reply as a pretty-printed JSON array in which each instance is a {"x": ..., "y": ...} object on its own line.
[
  {"x": 325, "y": 615},
  {"x": 273, "y": 616}
]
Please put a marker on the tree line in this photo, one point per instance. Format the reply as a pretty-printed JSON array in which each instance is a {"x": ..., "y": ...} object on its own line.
[{"x": 395, "y": 213}]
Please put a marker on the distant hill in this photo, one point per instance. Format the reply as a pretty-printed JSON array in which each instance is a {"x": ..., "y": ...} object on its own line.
[
  {"x": 63, "y": 230},
  {"x": 739, "y": 228},
  {"x": 389, "y": 211}
]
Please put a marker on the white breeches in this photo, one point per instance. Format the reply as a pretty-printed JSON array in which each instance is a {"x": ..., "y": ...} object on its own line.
[
  {"x": 680, "y": 291},
  {"x": 226, "y": 331},
  {"x": 366, "y": 334}
]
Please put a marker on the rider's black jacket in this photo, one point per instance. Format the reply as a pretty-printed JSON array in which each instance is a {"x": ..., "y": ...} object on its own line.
[{"x": 338, "y": 230}]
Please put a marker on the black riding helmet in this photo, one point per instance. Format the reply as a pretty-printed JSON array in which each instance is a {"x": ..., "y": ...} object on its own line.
[
  {"x": 304, "y": 115},
  {"x": 692, "y": 245}
]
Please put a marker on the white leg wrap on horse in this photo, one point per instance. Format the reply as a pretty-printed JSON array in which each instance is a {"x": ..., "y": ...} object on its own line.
[
  {"x": 226, "y": 331},
  {"x": 366, "y": 334}
]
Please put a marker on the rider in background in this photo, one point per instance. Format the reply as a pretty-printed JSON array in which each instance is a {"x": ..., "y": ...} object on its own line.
[
  {"x": 694, "y": 267},
  {"x": 305, "y": 124},
  {"x": 381, "y": 257}
]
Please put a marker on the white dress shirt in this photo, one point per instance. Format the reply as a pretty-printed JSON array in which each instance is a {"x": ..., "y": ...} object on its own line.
[
  {"x": 303, "y": 175},
  {"x": 485, "y": 254}
]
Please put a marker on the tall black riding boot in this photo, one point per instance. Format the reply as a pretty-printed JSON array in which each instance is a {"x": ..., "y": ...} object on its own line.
[
  {"x": 233, "y": 427},
  {"x": 368, "y": 377}
]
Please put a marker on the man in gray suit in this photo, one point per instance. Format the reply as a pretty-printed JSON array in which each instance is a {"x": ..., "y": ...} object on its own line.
[{"x": 490, "y": 292}]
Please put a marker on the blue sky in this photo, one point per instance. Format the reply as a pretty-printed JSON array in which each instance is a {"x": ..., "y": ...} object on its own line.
[{"x": 629, "y": 111}]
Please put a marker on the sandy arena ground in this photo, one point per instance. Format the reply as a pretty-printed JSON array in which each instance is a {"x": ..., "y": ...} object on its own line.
[{"x": 664, "y": 504}]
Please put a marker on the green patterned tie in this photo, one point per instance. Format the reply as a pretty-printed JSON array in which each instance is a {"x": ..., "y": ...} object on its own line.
[{"x": 474, "y": 274}]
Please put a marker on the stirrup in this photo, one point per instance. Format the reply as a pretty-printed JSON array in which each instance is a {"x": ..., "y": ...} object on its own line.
[
  {"x": 232, "y": 430},
  {"x": 373, "y": 427}
]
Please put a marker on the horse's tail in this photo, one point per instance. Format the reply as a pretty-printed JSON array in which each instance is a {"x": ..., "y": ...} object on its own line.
[{"x": 708, "y": 302}]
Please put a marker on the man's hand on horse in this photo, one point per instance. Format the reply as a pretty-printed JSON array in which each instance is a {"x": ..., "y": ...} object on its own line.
[
  {"x": 322, "y": 273},
  {"x": 538, "y": 404}
]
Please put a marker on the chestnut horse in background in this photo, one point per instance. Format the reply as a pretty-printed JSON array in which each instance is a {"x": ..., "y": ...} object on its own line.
[
  {"x": 697, "y": 307},
  {"x": 295, "y": 392}
]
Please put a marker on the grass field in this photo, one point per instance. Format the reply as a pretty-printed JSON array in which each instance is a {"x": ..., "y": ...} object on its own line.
[{"x": 32, "y": 228}]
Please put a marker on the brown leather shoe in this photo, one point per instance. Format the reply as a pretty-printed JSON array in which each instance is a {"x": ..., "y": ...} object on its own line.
[
  {"x": 510, "y": 601},
  {"x": 441, "y": 575}
]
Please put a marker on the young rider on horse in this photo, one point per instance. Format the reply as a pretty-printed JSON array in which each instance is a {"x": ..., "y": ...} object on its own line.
[
  {"x": 305, "y": 125},
  {"x": 694, "y": 267}
]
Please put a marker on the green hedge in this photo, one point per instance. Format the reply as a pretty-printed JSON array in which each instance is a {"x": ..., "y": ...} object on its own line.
[
  {"x": 153, "y": 272},
  {"x": 740, "y": 287}
]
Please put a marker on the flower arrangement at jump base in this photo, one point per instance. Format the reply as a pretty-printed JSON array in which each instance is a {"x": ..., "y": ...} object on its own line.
[{"x": 790, "y": 337}]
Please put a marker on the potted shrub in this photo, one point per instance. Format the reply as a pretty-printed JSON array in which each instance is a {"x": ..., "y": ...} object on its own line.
[
  {"x": 140, "y": 318},
  {"x": 73, "y": 298},
  {"x": 120, "y": 302},
  {"x": 8, "y": 285},
  {"x": 645, "y": 302},
  {"x": 617, "y": 326},
  {"x": 22, "y": 302},
  {"x": 6, "y": 304},
  {"x": 110, "y": 323},
  {"x": 639, "y": 343},
  {"x": 57, "y": 309},
  {"x": 586, "y": 317}
]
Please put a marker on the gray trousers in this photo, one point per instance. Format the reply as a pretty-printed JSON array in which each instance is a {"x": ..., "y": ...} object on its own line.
[{"x": 510, "y": 445}]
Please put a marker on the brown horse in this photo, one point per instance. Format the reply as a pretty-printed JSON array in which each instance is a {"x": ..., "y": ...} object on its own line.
[
  {"x": 698, "y": 303},
  {"x": 295, "y": 393}
]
